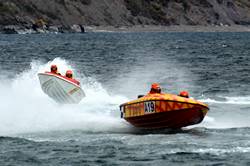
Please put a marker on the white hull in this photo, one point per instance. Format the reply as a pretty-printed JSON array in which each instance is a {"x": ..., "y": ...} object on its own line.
[{"x": 60, "y": 89}]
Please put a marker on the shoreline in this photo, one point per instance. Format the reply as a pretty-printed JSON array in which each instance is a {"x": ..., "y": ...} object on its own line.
[
  {"x": 171, "y": 28},
  {"x": 15, "y": 29}
]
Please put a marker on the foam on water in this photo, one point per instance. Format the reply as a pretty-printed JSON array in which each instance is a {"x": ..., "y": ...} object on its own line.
[
  {"x": 240, "y": 100},
  {"x": 226, "y": 112},
  {"x": 25, "y": 108},
  {"x": 214, "y": 151}
]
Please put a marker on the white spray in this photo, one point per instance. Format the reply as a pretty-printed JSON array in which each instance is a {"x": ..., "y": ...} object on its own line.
[{"x": 25, "y": 108}]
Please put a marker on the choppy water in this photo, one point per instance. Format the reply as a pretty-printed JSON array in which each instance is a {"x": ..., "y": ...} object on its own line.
[{"x": 114, "y": 68}]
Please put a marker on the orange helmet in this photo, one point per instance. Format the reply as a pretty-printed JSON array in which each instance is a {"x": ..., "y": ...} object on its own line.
[
  {"x": 184, "y": 94},
  {"x": 53, "y": 68},
  {"x": 155, "y": 86},
  {"x": 69, "y": 74}
]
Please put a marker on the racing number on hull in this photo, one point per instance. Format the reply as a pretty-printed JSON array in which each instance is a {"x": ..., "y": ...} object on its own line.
[{"x": 149, "y": 107}]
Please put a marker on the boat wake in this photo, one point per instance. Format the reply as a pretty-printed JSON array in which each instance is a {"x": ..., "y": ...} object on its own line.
[
  {"x": 27, "y": 109},
  {"x": 240, "y": 100},
  {"x": 227, "y": 112}
]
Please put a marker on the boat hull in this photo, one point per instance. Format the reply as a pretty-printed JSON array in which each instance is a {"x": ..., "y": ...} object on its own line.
[
  {"x": 60, "y": 89},
  {"x": 171, "y": 119},
  {"x": 163, "y": 111}
]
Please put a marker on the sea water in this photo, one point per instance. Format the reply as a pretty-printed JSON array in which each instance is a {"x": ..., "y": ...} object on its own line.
[{"x": 114, "y": 68}]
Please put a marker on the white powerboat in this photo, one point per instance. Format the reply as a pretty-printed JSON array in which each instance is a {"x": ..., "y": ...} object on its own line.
[{"x": 60, "y": 88}]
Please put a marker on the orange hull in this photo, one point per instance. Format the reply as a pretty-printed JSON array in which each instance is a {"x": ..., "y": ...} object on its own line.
[
  {"x": 170, "y": 119},
  {"x": 163, "y": 111}
]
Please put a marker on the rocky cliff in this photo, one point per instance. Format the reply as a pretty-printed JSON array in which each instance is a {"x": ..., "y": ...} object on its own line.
[{"x": 71, "y": 14}]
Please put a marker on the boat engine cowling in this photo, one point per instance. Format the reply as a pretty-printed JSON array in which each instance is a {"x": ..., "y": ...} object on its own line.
[{"x": 139, "y": 96}]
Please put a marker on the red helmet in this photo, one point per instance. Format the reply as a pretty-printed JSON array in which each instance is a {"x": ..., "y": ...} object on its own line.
[
  {"x": 69, "y": 74},
  {"x": 155, "y": 86},
  {"x": 53, "y": 68},
  {"x": 184, "y": 94}
]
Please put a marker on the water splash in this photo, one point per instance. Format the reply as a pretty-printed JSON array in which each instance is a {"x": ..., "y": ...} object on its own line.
[
  {"x": 227, "y": 112},
  {"x": 27, "y": 109}
]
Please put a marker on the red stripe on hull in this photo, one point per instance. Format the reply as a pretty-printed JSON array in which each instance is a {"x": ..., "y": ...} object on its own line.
[{"x": 168, "y": 119}]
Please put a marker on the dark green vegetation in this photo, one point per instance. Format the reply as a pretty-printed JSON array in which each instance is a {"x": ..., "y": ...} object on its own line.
[{"x": 125, "y": 12}]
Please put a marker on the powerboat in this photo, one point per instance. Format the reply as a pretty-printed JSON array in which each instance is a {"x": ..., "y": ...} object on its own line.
[
  {"x": 160, "y": 111},
  {"x": 60, "y": 88}
]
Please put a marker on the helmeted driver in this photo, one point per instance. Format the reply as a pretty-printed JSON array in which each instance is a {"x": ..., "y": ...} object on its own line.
[
  {"x": 155, "y": 88},
  {"x": 53, "y": 69},
  {"x": 69, "y": 74}
]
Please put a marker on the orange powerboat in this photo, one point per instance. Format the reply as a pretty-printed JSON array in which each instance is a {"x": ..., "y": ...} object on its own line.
[{"x": 158, "y": 111}]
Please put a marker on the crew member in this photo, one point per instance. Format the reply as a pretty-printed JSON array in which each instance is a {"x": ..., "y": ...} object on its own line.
[
  {"x": 53, "y": 69},
  {"x": 69, "y": 74},
  {"x": 155, "y": 88},
  {"x": 184, "y": 94}
]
